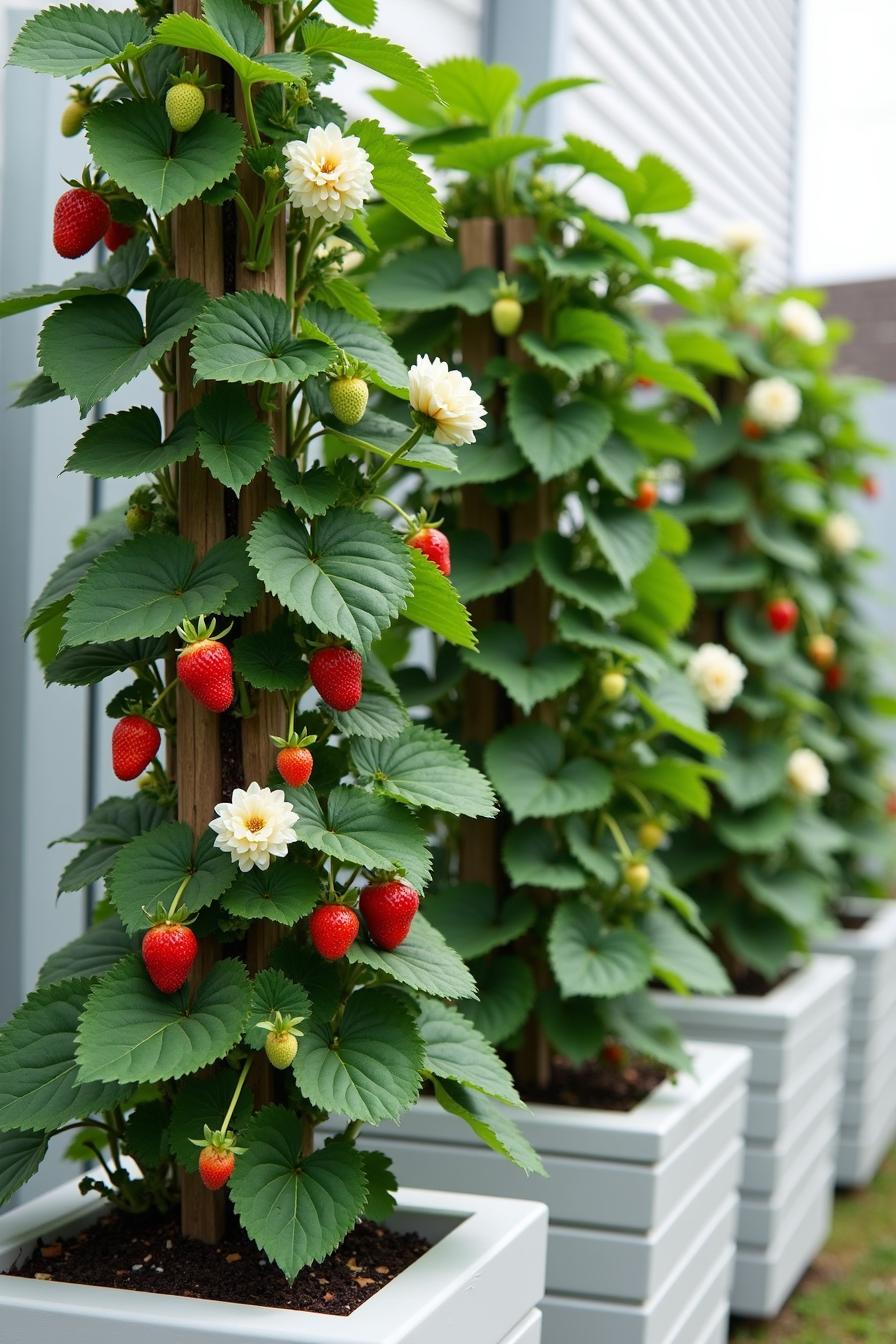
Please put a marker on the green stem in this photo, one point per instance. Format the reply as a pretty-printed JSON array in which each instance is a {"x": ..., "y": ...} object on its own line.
[
  {"x": 246, "y": 87},
  {"x": 159, "y": 698},
  {"x": 396, "y": 456},
  {"x": 244, "y": 1073},
  {"x": 178, "y": 894},
  {"x": 352, "y": 1129},
  {"x": 384, "y": 499},
  {"x": 617, "y": 835}
]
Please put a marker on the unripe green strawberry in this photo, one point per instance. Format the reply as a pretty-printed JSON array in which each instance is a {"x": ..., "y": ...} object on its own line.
[
  {"x": 507, "y": 314},
  {"x": 637, "y": 877},
  {"x": 612, "y": 685},
  {"x": 348, "y": 397},
  {"x": 73, "y": 115},
  {"x": 651, "y": 834},
  {"x": 280, "y": 1048},
  {"x": 185, "y": 104},
  {"x": 138, "y": 519}
]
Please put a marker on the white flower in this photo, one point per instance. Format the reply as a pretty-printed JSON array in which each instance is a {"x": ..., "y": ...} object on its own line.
[
  {"x": 329, "y": 175},
  {"x": 801, "y": 321},
  {"x": 717, "y": 675},
  {"x": 255, "y": 826},
  {"x": 841, "y": 533},
  {"x": 807, "y": 773},
  {"x": 743, "y": 236},
  {"x": 773, "y": 403},
  {"x": 448, "y": 398}
]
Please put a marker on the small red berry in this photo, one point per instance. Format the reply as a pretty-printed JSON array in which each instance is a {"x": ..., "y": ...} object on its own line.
[
  {"x": 388, "y": 909},
  {"x": 295, "y": 765},
  {"x": 336, "y": 674},
  {"x": 613, "y": 1054},
  {"x": 215, "y": 1166},
  {"x": 751, "y": 430},
  {"x": 333, "y": 929},
  {"x": 890, "y": 804},
  {"x": 641, "y": 381},
  {"x": 117, "y": 235},
  {"x": 646, "y": 495},
  {"x": 80, "y": 219},
  {"x": 205, "y": 666},
  {"x": 870, "y": 486},
  {"x": 434, "y": 545},
  {"x": 782, "y": 614},
  {"x": 135, "y": 742},
  {"x": 169, "y": 951},
  {"x": 835, "y": 677}
]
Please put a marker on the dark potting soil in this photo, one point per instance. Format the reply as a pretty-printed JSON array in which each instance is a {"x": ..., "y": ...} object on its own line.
[
  {"x": 753, "y": 985},
  {"x": 149, "y": 1254},
  {"x": 852, "y": 922},
  {"x": 598, "y": 1086}
]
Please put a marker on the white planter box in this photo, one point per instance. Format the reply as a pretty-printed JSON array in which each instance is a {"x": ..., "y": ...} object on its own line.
[
  {"x": 642, "y": 1204},
  {"x": 868, "y": 1118},
  {"x": 797, "y": 1038},
  {"x": 480, "y": 1283}
]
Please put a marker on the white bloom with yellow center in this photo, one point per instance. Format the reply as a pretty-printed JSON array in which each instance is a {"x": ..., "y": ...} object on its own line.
[
  {"x": 807, "y": 773},
  {"x": 448, "y": 398},
  {"x": 717, "y": 675},
  {"x": 801, "y": 321},
  {"x": 743, "y": 236},
  {"x": 255, "y": 826},
  {"x": 841, "y": 533},
  {"x": 328, "y": 176},
  {"x": 773, "y": 403}
]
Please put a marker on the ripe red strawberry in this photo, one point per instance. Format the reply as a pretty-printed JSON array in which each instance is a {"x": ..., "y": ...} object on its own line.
[
  {"x": 117, "y": 235},
  {"x": 80, "y": 219},
  {"x": 336, "y": 674},
  {"x": 388, "y": 909},
  {"x": 613, "y": 1054},
  {"x": 782, "y": 614},
  {"x": 646, "y": 495},
  {"x": 644, "y": 382},
  {"x": 205, "y": 666},
  {"x": 333, "y": 929},
  {"x": 169, "y": 951},
  {"x": 870, "y": 486},
  {"x": 835, "y": 677},
  {"x": 890, "y": 804},
  {"x": 135, "y": 742},
  {"x": 216, "y": 1166},
  {"x": 295, "y": 765},
  {"x": 434, "y": 545},
  {"x": 751, "y": 430}
]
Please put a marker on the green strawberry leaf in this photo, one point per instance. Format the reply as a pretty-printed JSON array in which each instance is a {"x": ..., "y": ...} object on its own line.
[
  {"x": 377, "y": 715},
  {"x": 92, "y": 953},
  {"x": 65, "y": 578},
  {"x": 589, "y": 958},
  {"x": 506, "y": 997},
  {"x": 284, "y": 892},
  {"x": 360, "y": 828},
  {"x": 183, "y": 30},
  {"x": 436, "y": 604},
  {"x": 150, "y": 869},
  {"x": 473, "y": 922},
  {"x": 312, "y": 492},
  {"x": 424, "y": 961},
  {"x": 627, "y": 538},
  {"x": 131, "y": 443},
  {"x": 490, "y": 1122},
  {"x": 350, "y": 577},
  {"x": 132, "y": 1033},
  {"x": 525, "y": 763},
  {"x": 591, "y": 588},
  {"x": 424, "y": 768},
  {"x": 429, "y": 279},
  {"x": 527, "y": 678},
  {"x": 273, "y": 992},
  {"x": 680, "y": 959},
  {"x": 40, "y": 1086},
  {"x": 377, "y": 53},
  {"x": 21, "y": 1154},
  {"x": 93, "y": 346},
  {"x": 381, "y": 1185},
  {"x": 533, "y": 858},
  {"x": 362, "y": 341},
  {"x": 397, "y": 177},
  {"x": 233, "y": 443},
  {"x": 478, "y": 572},
  {"x": 247, "y": 338},
  {"x": 115, "y": 276},
  {"x": 456, "y": 1051},
  {"x": 369, "y": 1067},
  {"x": 297, "y": 1208},
  {"x": 554, "y": 438},
  {"x": 71, "y": 40}
]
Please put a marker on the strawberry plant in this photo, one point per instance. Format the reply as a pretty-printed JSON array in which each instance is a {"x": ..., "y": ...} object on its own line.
[
  {"x": 575, "y": 703},
  {"x": 799, "y": 817},
  {"x": 228, "y": 996}
]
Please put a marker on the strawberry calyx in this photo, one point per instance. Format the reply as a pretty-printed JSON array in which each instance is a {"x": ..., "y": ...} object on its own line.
[
  {"x": 220, "y": 1140},
  {"x": 281, "y": 1025},
  {"x": 174, "y": 914},
  {"x": 196, "y": 77},
  {"x": 294, "y": 739},
  {"x": 197, "y": 632}
]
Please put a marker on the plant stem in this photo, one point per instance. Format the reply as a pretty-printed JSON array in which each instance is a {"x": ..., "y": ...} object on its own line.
[
  {"x": 177, "y": 895},
  {"x": 616, "y": 832},
  {"x": 384, "y": 499},
  {"x": 352, "y": 1129},
  {"x": 244, "y": 1073},
  {"x": 246, "y": 87},
  {"x": 396, "y": 456}
]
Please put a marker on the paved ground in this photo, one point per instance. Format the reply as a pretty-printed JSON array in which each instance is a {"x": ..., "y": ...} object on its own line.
[{"x": 849, "y": 1294}]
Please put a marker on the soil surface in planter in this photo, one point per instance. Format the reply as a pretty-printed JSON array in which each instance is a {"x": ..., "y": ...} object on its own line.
[
  {"x": 751, "y": 985},
  {"x": 852, "y": 922},
  {"x": 148, "y": 1253},
  {"x": 599, "y": 1086}
]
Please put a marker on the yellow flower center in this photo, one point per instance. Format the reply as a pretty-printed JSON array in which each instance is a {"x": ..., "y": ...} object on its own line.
[
  {"x": 254, "y": 824},
  {"x": 328, "y": 166}
]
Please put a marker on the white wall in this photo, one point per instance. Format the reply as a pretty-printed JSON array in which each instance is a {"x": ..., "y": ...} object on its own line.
[{"x": 847, "y": 183}]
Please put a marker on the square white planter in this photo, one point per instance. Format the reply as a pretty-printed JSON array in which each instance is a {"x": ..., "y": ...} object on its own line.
[
  {"x": 480, "y": 1282},
  {"x": 643, "y": 1203},
  {"x": 868, "y": 1118},
  {"x": 797, "y": 1039}
]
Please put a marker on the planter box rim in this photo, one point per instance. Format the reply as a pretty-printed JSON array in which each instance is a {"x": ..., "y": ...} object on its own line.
[
  {"x": 811, "y": 979},
  {"x": 486, "y": 1223},
  {"x": 879, "y": 932}
]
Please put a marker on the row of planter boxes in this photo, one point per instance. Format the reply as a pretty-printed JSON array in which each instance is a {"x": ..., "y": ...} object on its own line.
[{"x": 715, "y": 1189}]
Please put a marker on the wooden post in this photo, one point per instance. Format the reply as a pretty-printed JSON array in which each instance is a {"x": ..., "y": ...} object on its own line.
[{"x": 198, "y": 246}]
